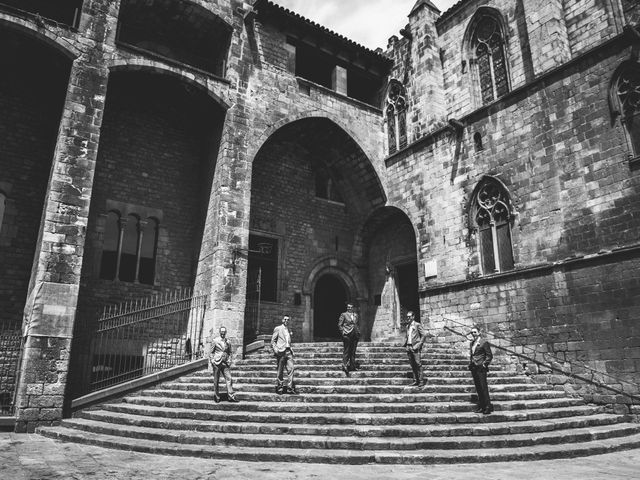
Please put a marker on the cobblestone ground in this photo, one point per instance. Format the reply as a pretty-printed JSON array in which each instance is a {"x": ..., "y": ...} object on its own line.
[{"x": 33, "y": 457}]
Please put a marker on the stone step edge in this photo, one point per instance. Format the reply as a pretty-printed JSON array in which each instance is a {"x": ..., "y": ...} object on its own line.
[
  {"x": 303, "y": 441},
  {"x": 479, "y": 429},
  {"x": 538, "y": 452},
  {"x": 540, "y": 414}
]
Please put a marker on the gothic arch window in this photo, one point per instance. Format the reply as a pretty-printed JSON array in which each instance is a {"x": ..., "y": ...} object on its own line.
[
  {"x": 487, "y": 52},
  {"x": 129, "y": 248},
  {"x": 491, "y": 216},
  {"x": 625, "y": 102},
  {"x": 396, "y": 116}
]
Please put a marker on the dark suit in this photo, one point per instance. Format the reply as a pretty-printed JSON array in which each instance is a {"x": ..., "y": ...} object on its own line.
[
  {"x": 413, "y": 342},
  {"x": 480, "y": 358},
  {"x": 348, "y": 326}
]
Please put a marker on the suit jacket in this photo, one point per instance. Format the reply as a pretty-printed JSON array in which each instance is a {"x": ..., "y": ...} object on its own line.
[
  {"x": 220, "y": 351},
  {"x": 417, "y": 336},
  {"x": 348, "y": 322},
  {"x": 482, "y": 355},
  {"x": 281, "y": 339}
]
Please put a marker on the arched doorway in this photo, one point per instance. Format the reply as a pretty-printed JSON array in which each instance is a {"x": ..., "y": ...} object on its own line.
[{"x": 329, "y": 299}]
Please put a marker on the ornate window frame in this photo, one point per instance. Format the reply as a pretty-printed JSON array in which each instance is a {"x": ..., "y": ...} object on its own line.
[
  {"x": 491, "y": 216},
  {"x": 485, "y": 48},
  {"x": 624, "y": 104},
  {"x": 129, "y": 228},
  {"x": 396, "y": 116}
]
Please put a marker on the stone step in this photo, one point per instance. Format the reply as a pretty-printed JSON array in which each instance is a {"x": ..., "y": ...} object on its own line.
[
  {"x": 364, "y": 362},
  {"x": 597, "y": 432},
  {"x": 361, "y": 374},
  {"x": 513, "y": 417},
  {"x": 404, "y": 396},
  {"x": 396, "y": 355},
  {"x": 353, "y": 380},
  {"x": 285, "y": 428},
  {"x": 305, "y": 388},
  {"x": 347, "y": 456},
  {"x": 366, "y": 368},
  {"x": 282, "y": 404}
]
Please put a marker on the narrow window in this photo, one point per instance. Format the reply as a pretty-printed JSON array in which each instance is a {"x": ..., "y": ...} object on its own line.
[
  {"x": 492, "y": 221},
  {"x": 148, "y": 243},
  {"x": 110, "y": 244},
  {"x": 627, "y": 92},
  {"x": 489, "y": 49},
  {"x": 263, "y": 266},
  {"x": 326, "y": 187},
  {"x": 477, "y": 141},
  {"x": 396, "y": 116},
  {"x": 129, "y": 250}
]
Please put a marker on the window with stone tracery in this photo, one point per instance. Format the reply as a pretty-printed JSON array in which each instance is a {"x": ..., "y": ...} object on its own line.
[
  {"x": 488, "y": 46},
  {"x": 396, "y": 115},
  {"x": 491, "y": 215},
  {"x": 129, "y": 248},
  {"x": 627, "y": 95}
]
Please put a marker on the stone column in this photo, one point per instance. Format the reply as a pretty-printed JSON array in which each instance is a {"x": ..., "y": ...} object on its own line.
[
  {"x": 55, "y": 278},
  {"x": 548, "y": 37}
]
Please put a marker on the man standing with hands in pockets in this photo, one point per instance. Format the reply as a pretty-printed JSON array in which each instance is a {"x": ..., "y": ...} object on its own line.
[
  {"x": 413, "y": 343},
  {"x": 480, "y": 358},
  {"x": 348, "y": 326},
  {"x": 281, "y": 346}
]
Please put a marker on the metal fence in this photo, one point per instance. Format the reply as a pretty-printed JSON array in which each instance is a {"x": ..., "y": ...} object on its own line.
[
  {"x": 10, "y": 349},
  {"x": 141, "y": 337}
]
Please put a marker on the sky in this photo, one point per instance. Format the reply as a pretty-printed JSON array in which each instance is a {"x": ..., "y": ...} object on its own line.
[{"x": 368, "y": 22}]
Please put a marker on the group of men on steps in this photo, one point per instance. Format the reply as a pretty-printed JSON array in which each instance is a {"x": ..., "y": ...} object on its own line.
[{"x": 220, "y": 355}]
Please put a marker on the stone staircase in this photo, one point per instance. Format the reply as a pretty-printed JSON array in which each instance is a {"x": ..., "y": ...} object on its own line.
[{"x": 373, "y": 416}]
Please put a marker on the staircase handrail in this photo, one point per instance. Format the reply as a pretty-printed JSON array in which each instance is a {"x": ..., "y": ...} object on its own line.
[{"x": 510, "y": 348}]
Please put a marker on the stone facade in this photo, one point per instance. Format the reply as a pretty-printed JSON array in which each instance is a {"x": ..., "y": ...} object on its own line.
[{"x": 216, "y": 153}]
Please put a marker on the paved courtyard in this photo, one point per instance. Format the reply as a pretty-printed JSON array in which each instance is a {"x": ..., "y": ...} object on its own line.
[{"x": 25, "y": 456}]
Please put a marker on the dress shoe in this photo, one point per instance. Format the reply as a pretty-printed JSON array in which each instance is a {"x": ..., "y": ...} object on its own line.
[
  {"x": 216, "y": 398},
  {"x": 414, "y": 384},
  {"x": 422, "y": 384},
  {"x": 479, "y": 410},
  {"x": 345, "y": 370},
  {"x": 487, "y": 410},
  {"x": 233, "y": 399},
  {"x": 279, "y": 391},
  {"x": 293, "y": 391}
]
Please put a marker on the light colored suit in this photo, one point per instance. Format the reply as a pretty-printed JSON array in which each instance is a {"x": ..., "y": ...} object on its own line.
[
  {"x": 281, "y": 345},
  {"x": 219, "y": 355}
]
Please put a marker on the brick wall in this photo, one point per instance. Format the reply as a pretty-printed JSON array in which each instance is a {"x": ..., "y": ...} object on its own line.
[
  {"x": 564, "y": 163},
  {"x": 283, "y": 203},
  {"x": 155, "y": 155},
  {"x": 31, "y": 105}
]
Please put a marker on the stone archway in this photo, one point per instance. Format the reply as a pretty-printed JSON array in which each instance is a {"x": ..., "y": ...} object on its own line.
[
  {"x": 311, "y": 186},
  {"x": 329, "y": 298}
]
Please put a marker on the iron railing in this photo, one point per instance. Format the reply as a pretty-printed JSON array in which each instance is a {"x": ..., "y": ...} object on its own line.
[
  {"x": 10, "y": 349},
  {"x": 571, "y": 368},
  {"x": 146, "y": 336}
]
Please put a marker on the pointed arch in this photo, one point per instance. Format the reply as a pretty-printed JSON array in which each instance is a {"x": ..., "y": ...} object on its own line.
[
  {"x": 396, "y": 116},
  {"x": 485, "y": 45},
  {"x": 624, "y": 102},
  {"x": 491, "y": 217}
]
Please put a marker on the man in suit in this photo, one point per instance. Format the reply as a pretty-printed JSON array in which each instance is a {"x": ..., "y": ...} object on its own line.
[
  {"x": 480, "y": 358},
  {"x": 413, "y": 343},
  {"x": 348, "y": 326},
  {"x": 219, "y": 359},
  {"x": 281, "y": 346}
]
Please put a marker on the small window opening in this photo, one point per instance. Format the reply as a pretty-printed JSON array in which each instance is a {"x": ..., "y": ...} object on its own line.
[{"x": 477, "y": 141}]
